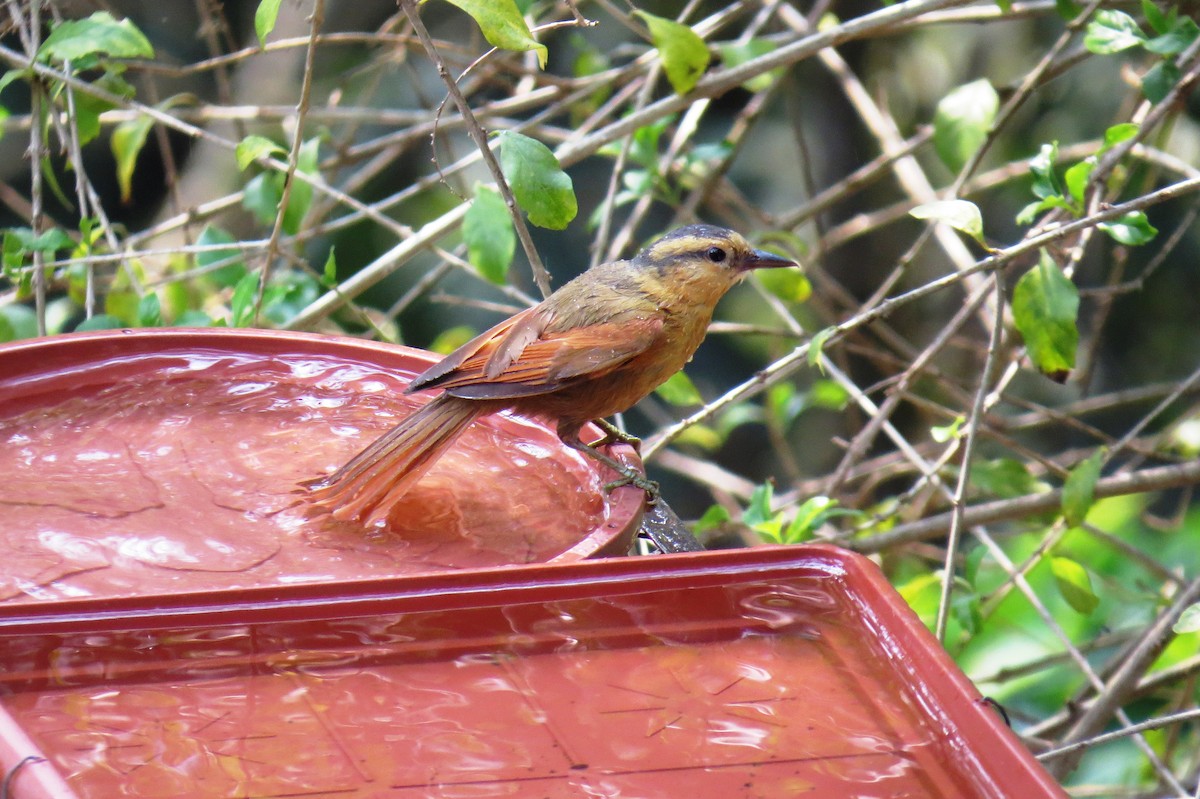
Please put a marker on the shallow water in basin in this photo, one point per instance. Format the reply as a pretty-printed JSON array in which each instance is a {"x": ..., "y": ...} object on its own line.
[{"x": 185, "y": 477}]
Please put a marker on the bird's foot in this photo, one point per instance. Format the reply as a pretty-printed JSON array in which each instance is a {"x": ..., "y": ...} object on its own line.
[
  {"x": 632, "y": 478},
  {"x": 615, "y": 435},
  {"x": 628, "y": 475}
]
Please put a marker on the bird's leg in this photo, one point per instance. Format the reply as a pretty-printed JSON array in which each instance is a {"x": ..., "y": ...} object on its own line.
[
  {"x": 615, "y": 435},
  {"x": 629, "y": 476}
]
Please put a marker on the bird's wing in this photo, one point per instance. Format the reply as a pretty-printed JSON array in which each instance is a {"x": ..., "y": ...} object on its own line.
[
  {"x": 512, "y": 364},
  {"x": 478, "y": 350}
]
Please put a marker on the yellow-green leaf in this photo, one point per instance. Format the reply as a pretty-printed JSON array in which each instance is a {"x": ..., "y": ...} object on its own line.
[
  {"x": 1075, "y": 585},
  {"x": 329, "y": 272},
  {"x": 251, "y": 148},
  {"x": 1189, "y": 620},
  {"x": 127, "y": 142},
  {"x": 264, "y": 19},
  {"x": 684, "y": 54},
  {"x": 735, "y": 54},
  {"x": 962, "y": 121},
  {"x": 503, "y": 26},
  {"x": 961, "y": 215},
  {"x": 1045, "y": 304},
  {"x": 790, "y": 285},
  {"x": 679, "y": 390},
  {"x": 451, "y": 339}
]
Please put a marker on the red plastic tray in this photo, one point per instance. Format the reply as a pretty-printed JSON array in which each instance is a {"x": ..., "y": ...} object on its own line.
[{"x": 773, "y": 672}]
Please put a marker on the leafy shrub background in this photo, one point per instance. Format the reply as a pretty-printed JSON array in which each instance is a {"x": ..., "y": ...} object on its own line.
[{"x": 986, "y": 376}]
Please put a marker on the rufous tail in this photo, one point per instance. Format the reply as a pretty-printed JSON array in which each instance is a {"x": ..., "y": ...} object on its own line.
[{"x": 371, "y": 483}]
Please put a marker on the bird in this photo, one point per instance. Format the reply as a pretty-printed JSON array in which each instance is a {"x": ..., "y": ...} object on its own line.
[{"x": 593, "y": 348}]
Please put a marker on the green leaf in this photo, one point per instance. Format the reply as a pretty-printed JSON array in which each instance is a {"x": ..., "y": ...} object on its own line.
[
  {"x": 962, "y": 121},
  {"x": 287, "y": 294},
  {"x": 1132, "y": 229},
  {"x": 301, "y": 194},
  {"x": 88, "y": 108},
  {"x": 100, "y": 321},
  {"x": 193, "y": 318},
  {"x": 1111, "y": 31},
  {"x": 98, "y": 34},
  {"x": 264, "y": 19},
  {"x": 1005, "y": 478},
  {"x": 961, "y": 215},
  {"x": 1067, "y": 10},
  {"x": 242, "y": 303},
  {"x": 684, "y": 54},
  {"x": 968, "y": 611},
  {"x": 48, "y": 241},
  {"x": 1189, "y": 620},
  {"x": 127, "y": 142},
  {"x": 943, "y": 433},
  {"x": 232, "y": 268},
  {"x": 758, "y": 510},
  {"x": 539, "y": 184},
  {"x": 1122, "y": 131},
  {"x": 329, "y": 272},
  {"x": 1045, "y": 305},
  {"x": 828, "y": 394},
  {"x": 734, "y": 54},
  {"x": 817, "y": 344},
  {"x": 1158, "y": 21},
  {"x": 17, "y": 322},
  {"x": 809, "y": 516},
  {"x": 1045, "y": 181},
  {"x": 149, "y": 311},
  {"x": 789, "y": 285},
  {"x": 503, "y": 26},
  {"x": 679, "y": 390},
  {"x": 1176, "y": 40},
  {"x": 261, "y": 197},
  {"x": 451, "y": 339},
  {"x": 1159, "y": 80},
  {"x": 1074, "y": 584},
  {"x": 489, "y": 235},
  {"x": 714, "y": 517},
  {"x": 1080, "y": 487},
  {"x": 1076, "y": 180},
  {"x": 14, "y": 74},
  {"x": 251, "y": 148}
]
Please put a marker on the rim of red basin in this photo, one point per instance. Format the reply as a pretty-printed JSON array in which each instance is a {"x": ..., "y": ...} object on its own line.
[
  {"x": 29, "y": 366},
  {"x": 697, "y": 598}
]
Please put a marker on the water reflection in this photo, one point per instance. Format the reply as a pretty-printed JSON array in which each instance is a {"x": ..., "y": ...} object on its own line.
[{"x": 192, "y": 465}]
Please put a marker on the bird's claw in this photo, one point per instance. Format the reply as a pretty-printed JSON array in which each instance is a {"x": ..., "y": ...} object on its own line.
[
  {"x": 615, "y": 435},
  {"x": 634, "y": 479}
]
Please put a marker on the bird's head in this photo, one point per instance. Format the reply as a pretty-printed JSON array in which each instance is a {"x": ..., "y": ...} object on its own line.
[{"x": 705, "y": 260}]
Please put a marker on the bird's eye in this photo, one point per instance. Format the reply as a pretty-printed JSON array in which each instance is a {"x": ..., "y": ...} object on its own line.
[{"x": 715, "y": 254}]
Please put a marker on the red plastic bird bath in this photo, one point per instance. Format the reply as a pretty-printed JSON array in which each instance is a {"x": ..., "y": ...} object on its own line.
[
  {"x": 165, "y": 461},
  {"x": 172, "y": 623}
]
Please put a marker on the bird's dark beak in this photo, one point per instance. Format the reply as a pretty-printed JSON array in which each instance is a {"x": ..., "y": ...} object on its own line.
[{"x": 761, "y": 259}]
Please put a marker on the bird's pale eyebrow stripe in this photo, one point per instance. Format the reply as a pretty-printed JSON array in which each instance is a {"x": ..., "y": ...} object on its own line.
[{"x": 672, "y": 248}]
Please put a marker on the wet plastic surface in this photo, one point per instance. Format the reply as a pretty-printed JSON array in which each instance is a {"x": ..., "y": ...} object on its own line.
[
  {"x": 775, "y": 672},
  {"x": 159, "y": 462}
]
